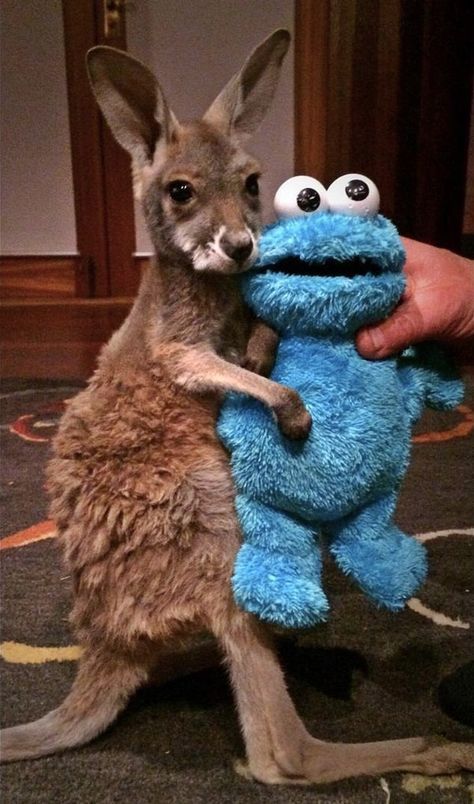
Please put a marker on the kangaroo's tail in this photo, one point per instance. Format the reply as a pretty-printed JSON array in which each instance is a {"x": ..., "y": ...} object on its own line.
[{"x": 101, "y": 690}]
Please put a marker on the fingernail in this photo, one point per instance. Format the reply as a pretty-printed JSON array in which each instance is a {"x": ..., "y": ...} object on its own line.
[
  {"x": 377, "y": 338},
  {"x": 372, "y": 340}
]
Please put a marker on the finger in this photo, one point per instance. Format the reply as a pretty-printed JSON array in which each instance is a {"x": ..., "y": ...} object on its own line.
[{"x": 404, "y": 327}]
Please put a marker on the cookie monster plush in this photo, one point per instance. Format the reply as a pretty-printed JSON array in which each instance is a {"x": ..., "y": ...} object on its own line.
[{"x": 329, "y": 266}]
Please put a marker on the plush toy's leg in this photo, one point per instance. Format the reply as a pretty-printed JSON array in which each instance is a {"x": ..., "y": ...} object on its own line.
[
  {"x": 278, "y": 568},
  {"x": 387, "y": 564}
]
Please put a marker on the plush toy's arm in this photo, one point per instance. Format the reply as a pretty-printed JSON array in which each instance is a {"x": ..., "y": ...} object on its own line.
[
  {"x": 261, "y": 348},
  {"x": 430, "y": 378}
]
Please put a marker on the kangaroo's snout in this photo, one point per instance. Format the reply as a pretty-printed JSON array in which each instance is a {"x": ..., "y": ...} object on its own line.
[{"x": 238, "y": 246}]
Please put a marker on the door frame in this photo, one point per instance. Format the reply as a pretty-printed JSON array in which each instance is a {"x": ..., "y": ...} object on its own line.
[{"x": 101, "y": 169}]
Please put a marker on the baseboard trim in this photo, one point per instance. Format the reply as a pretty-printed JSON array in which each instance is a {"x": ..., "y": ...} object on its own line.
[
  {"x": 49, "y": 276},
  {"x": 57, "y": 338},
  {"x": 35, "y": 276}
]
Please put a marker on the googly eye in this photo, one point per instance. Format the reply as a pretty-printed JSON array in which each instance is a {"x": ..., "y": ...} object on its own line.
[
  {"x": 353, "y": 194},
  {"x": 298, "y": 196}
]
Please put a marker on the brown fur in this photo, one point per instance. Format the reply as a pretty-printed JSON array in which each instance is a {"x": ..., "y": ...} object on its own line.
[{"x": 141, "y": 488}]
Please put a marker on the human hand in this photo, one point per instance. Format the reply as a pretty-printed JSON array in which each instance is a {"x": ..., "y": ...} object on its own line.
[{"x": 438, "y": 303}]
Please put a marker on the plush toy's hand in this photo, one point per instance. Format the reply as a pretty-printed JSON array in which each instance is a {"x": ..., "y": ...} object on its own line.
[
  {"x": 293, "y": 419},
  {"x": 443, "y": 389}
]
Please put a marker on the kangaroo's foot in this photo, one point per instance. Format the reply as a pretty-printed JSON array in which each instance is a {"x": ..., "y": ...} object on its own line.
[{"x": 328, "y": 762}]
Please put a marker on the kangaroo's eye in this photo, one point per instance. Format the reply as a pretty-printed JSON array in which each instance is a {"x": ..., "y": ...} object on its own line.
[
  {"x": 251, "y": 184},
  {"x": 300, "y": 196},
  {"x": 354, "y": 194},
  {"x": 180, "y": 191}
]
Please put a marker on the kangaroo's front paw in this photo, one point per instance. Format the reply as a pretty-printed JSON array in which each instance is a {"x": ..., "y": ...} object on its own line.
[
  {"x": 258, "y": 364},
  {"x": 293, "y": 419}
]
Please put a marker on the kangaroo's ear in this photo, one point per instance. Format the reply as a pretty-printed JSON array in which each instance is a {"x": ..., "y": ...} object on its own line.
[
  {"x": 132, "y": 102},
  {"x": 241, "y": 106}
]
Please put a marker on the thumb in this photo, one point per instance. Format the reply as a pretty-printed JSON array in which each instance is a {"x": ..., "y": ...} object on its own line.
[{"x": 405, "y": 326}]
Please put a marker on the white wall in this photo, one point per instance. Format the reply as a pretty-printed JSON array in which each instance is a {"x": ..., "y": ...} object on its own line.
[
  {"x": 194, "y": 47},
  {"x": 37, "y": 203}
]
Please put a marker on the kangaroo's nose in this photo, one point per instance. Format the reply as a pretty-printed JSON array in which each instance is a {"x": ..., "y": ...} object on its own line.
[{"x": 236, "y": 246}]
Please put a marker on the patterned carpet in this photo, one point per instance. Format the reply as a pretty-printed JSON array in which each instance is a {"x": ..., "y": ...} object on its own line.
[{"x": 366, "y": 674}]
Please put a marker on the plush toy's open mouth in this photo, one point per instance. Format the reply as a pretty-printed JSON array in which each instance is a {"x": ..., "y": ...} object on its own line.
[{"x": 330, "y": 267}]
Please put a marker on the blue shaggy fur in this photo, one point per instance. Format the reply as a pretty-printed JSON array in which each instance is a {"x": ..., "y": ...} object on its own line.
[{"x": 342, "y": 482}]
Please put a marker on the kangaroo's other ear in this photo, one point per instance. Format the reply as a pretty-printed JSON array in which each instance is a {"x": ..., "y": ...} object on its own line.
[
  {"x": 132, "y": 102},
  {"x": 241, "y": 106}
]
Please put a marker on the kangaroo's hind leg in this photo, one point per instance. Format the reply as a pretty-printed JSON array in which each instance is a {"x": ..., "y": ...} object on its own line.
[
  {"x": 274, "y": 735},
  {"x": 279, "y": 748},
  {"x": 277, "y": 573}
]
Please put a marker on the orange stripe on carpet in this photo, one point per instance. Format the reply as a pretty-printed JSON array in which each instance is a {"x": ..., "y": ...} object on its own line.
[
  {"x": 21, "y": 427},
  {"x": 42, "y": 530},
  {"x": 460, "y": 430}
]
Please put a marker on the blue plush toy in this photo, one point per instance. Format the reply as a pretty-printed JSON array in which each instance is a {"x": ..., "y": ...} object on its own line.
[{"x": 319, "y": 278}]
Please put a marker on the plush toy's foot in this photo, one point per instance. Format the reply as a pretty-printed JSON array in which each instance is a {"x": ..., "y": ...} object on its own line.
[
  {"x": 278, "y": 589},
  {"x": 387, "y": 564},
  {"x": 278, "y": 569}
]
